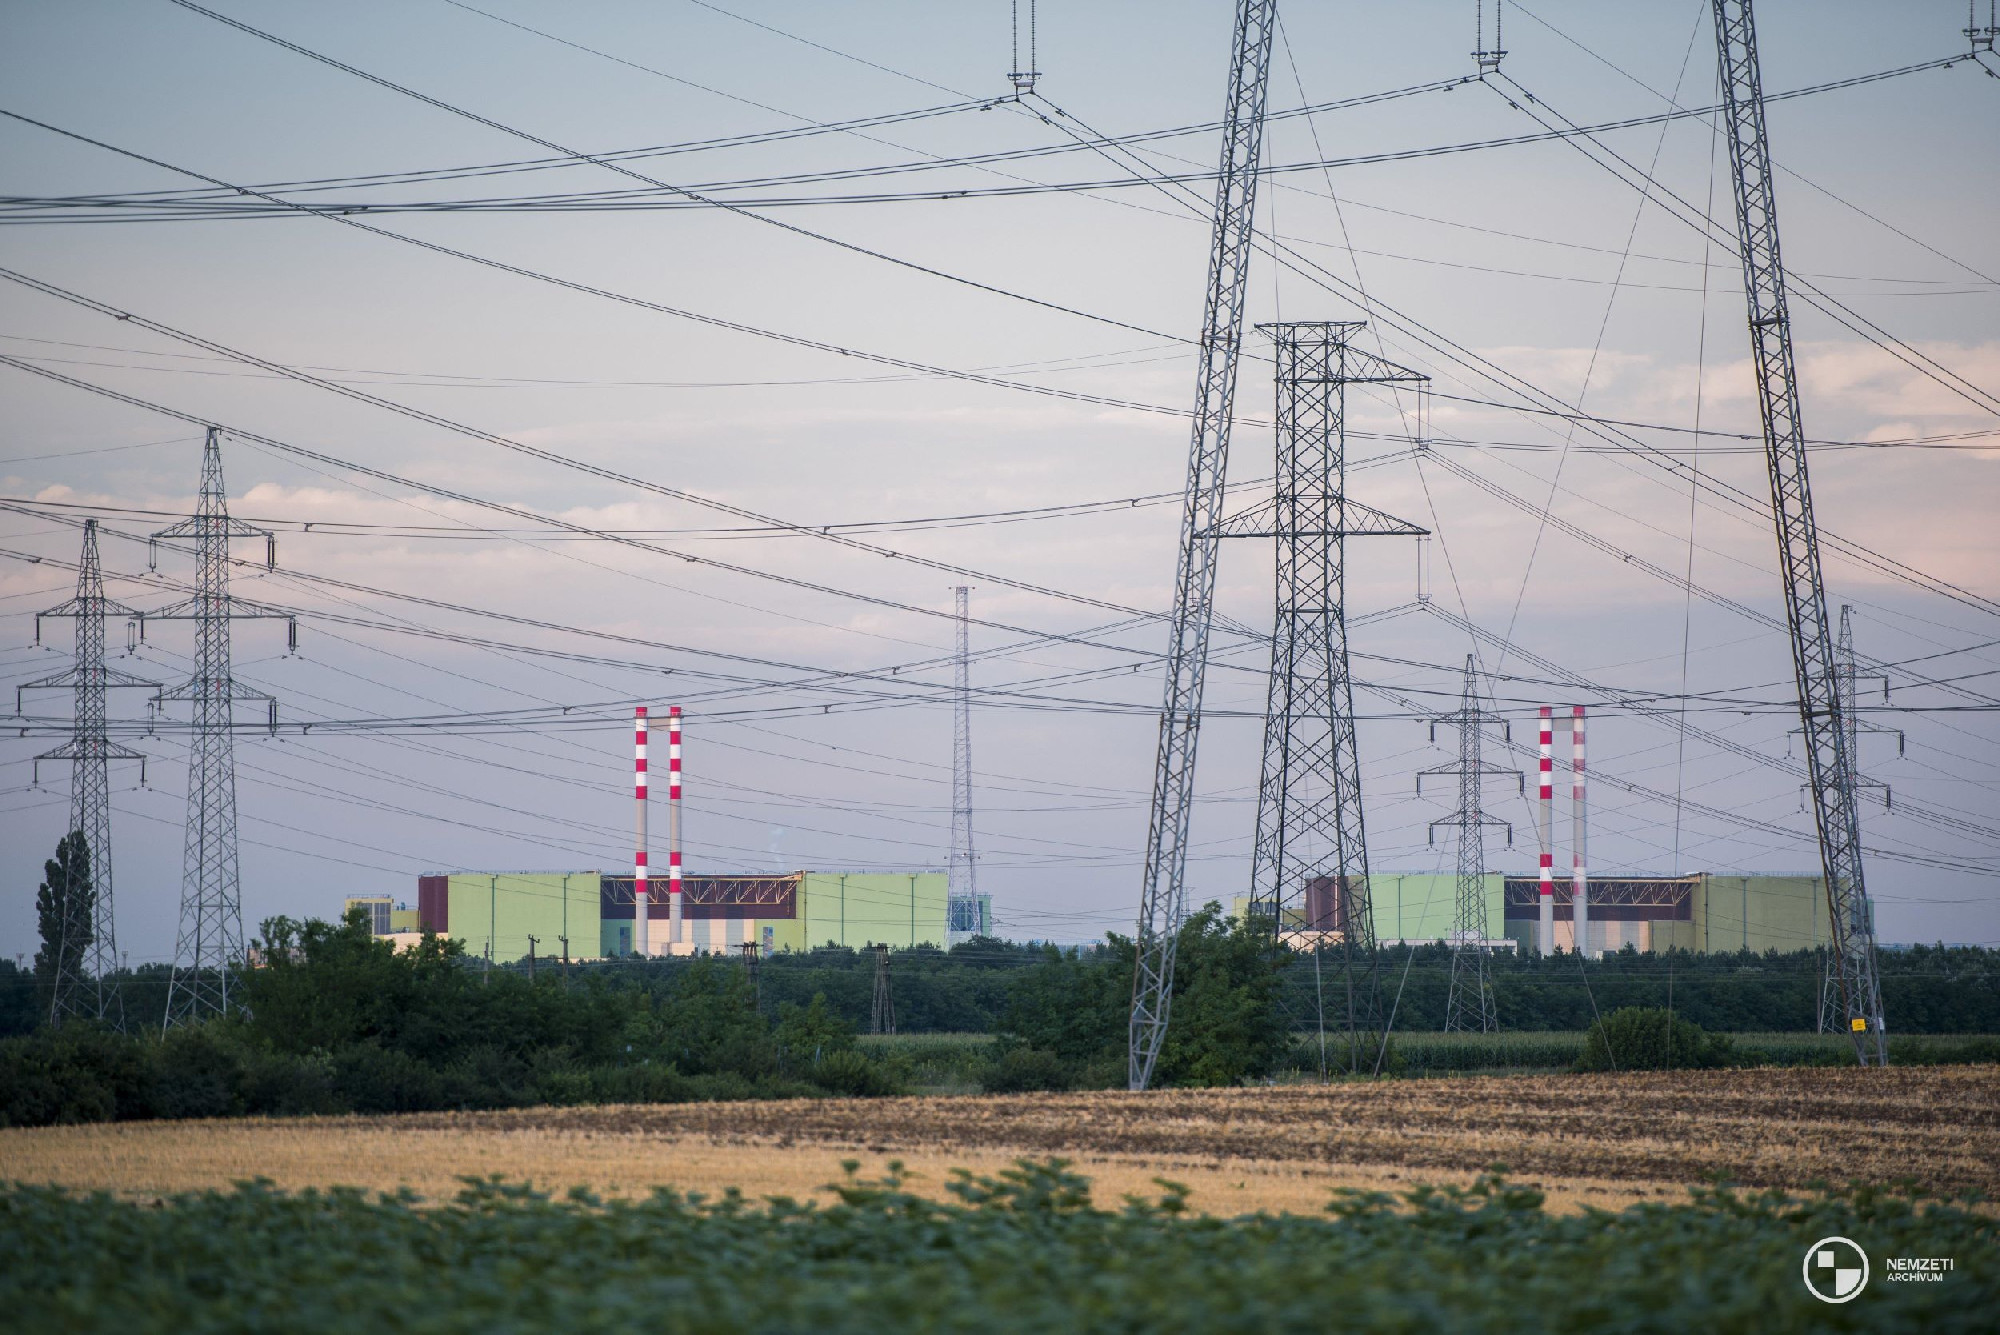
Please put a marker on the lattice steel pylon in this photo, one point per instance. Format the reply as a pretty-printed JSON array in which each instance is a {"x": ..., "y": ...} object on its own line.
[
  {"x": 882, "y": 1014},
  {"x": 1163, "y": 886},
  {"x": 87, "y": 984},
  {"x": 209, "y": 942},
  {"x": 961, "y": 875},
  {"x": 1469, "y": 1004},
  {"x": 1309, "y": 863},
  {"x": 1846, "y": 679},
  {"x": 1829, "y": 763}
]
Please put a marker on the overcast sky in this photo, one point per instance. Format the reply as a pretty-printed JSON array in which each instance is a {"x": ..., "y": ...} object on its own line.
[{"x": 813, "y": 672}]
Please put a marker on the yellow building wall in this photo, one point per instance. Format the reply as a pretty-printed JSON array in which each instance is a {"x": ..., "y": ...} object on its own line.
[
  {"x": 860, "y": 908},
  {"x": 1760, "y": 913},
  {"x": 504, "y": 909}
]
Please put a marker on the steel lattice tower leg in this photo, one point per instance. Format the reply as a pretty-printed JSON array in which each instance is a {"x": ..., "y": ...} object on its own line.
[
  {"x": 210, "y": 944},
  {"x": 1163, "y": 887},
  {"x": 1469, "y": 1005},
  {"x": 1829, "y": 763},
  {"x": 1309, "y": 863},
  {"x": 962, "y": 888},
  {"x": 87, "y": 982}
]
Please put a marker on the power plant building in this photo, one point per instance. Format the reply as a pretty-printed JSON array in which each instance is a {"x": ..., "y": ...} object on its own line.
[
  {"x": 1705, "y": 912},
  {"x": 589, "y": 914}
]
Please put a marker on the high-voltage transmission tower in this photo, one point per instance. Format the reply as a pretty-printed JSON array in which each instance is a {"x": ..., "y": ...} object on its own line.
[
  {"x": 86, "y": 983},
  {"x": 1469, "y": 1004},
  {"x": 1309, "y": 864},
  {"x": 1829, "y": 762},
  {"x": 1848, "y": 678},
  {"x": 209, "y": 943},
  {"x": 882, "y": 1014},
  {"x": 961, "y": 876},
  {"x": 1163, "y": 886}
]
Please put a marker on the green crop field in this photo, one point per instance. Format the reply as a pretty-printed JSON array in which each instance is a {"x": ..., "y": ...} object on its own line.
[{"x": 1027, "y": 1250}]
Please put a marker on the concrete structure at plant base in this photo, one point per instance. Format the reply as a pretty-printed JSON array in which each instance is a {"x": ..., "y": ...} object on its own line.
[
  {"x": 1704, "y": 912},
  {"x": 593, "y": 912},
  {"x": 389, "y": 918}
]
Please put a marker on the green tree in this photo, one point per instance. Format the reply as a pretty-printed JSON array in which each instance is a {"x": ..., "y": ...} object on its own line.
[
  {"x": 1074, "y": 1007},
  {"x": 1226, "y": 1025},
  {"x": 66, "y": 906}
]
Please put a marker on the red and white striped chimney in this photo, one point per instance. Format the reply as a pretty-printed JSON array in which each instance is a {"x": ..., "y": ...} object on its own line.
[
  {"x": 1579, "y": 884},
  {"x": 674, "y": 824},
  {"x": 1544, "y": 815},
  {"x": 641, "y": 935}
]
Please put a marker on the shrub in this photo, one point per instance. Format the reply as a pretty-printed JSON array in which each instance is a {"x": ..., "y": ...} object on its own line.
[
  {"x": 198, "y": 1072},
  {"x": 1651, "y": 1038}
]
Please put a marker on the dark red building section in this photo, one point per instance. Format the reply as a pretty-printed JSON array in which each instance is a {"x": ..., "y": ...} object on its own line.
[{"x": 434, "y": 904}]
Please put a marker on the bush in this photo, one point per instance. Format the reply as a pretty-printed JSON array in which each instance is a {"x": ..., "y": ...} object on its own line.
[
  {"x": 198, "y": 1072},
  {"x": 1651, "y": 1038}
]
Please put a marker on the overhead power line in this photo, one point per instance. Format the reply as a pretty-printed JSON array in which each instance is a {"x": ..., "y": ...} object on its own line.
[{"x": 157, "y": 206}]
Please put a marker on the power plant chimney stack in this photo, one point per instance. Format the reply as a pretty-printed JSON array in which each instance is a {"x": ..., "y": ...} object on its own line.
[
  {"x": 1579, "y": 892},
  {"x": 674, "y": 824},
  {"x": 641, "y": 928},
  {"x": 1544, "y": 808}
]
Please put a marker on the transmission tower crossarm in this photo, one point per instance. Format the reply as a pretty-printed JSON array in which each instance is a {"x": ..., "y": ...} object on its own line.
[
  {"x": 1829, "y": 765},
  {"x": 1163, "y": 891},
  {"x": 1352, "y": 520}
]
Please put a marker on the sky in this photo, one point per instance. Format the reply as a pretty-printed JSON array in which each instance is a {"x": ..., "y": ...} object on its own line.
[{"x": 460, "y": 698}]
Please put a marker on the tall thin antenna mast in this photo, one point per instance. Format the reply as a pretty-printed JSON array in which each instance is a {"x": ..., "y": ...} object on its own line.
[
  {"x": 209, "y": 944},
  {"x": 961, "y": 882},
  {"x": 86, "y": 984},
  {"x": 1829, "y": 764},
  {"x": 1469, "y": 1004},
  {"x": 1163, "y": 887}
]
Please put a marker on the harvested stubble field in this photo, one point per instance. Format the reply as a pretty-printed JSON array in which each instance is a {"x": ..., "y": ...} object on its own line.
[{"x": 1605, "y": 1140}]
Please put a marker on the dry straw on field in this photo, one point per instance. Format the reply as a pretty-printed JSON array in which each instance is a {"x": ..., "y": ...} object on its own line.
[{"x": 1601, "y": 1140}]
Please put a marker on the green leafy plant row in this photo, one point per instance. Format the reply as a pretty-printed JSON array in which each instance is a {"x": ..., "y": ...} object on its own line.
[{"x": 1027, "y": 1249}]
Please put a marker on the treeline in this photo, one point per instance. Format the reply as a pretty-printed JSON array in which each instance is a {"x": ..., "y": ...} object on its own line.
[
  {"x": 971, "y": 988},
  {"x": 338, "y": 1021},
  {"x": 1925, "y": 989}
]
